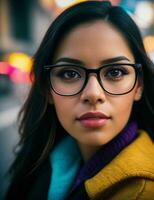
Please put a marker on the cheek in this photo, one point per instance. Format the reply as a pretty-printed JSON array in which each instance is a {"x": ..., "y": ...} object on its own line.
[
  {"x": 59, "y": 104},
  {"x": 122, "y": 107},
  {"x": 63, "y": 107}
]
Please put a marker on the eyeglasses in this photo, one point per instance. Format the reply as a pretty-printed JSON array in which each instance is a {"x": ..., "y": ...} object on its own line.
[{"x": 71, "y": 79}]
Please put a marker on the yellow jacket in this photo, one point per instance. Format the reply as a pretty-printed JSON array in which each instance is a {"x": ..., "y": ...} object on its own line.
[{"x": 129, "y": 176}]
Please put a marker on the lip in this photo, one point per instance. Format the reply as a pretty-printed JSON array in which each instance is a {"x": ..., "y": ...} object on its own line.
[{"x": 93, "y": 119}]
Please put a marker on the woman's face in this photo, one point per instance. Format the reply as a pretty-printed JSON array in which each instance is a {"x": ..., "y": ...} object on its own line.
[{"x": 94, "y": 117}]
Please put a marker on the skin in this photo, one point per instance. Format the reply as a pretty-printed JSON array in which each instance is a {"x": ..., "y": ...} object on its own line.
[{"x": 85, "y": 43}]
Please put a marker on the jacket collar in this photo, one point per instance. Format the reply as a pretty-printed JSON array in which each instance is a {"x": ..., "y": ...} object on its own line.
[
  {"x": 134, "y": 161},
  {"x": 107, "y": 153}
]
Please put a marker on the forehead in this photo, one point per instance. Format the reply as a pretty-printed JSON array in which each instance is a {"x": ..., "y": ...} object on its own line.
[{"x": 98, "y": 39}]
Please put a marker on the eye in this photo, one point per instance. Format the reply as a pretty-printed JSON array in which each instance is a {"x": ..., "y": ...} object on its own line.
[
  {"x": 68, "y": 74},
  {"x": 115, "y": 73}
]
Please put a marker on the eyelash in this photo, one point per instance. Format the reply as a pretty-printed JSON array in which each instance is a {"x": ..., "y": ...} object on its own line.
[
  {"x": 120, "y": 69},
  {"x": 63, "y": 72}
]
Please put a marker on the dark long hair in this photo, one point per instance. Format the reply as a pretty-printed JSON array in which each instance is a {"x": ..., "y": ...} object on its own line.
[{"x": 38, "y": 121}]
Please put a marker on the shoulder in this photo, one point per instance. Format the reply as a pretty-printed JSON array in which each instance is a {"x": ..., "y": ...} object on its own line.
[
  {"x": 130, "y": 189},
  {"x": 133, "y": 189},
  {"x": 138, "y": 157},
  {"x": 147, "y": 190},
  {"x": 131, "y": 172}
]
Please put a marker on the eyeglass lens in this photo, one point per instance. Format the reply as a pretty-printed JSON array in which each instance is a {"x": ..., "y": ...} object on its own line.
[{"x": 116, "y": 79}]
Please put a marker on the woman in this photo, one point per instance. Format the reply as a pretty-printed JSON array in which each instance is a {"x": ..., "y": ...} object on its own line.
[{"x": 87, "y": 124}]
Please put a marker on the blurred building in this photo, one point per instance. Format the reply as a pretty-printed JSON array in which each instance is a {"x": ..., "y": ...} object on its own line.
[
  {"x": 22, "y": 27},
  {"x": 24, "y": 23}
]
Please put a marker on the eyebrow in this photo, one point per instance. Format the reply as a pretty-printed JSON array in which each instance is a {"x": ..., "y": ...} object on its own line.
[{"x": 79, "y": 62}]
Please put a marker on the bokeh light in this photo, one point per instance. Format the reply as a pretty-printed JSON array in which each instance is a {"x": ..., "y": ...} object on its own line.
[{"x": 20, "y": 60}]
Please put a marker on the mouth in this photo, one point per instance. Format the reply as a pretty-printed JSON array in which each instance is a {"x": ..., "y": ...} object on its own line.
[{"x": 93, "y": 119}]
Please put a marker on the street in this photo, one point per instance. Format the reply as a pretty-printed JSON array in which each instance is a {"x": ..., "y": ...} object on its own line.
[{"x": 10, "y": 105}]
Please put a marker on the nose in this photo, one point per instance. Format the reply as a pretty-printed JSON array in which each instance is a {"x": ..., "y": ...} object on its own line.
[{"x": 93, "y": 93}]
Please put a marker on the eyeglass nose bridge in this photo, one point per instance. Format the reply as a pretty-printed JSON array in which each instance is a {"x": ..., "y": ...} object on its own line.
[{"x": 93, "y": 71}]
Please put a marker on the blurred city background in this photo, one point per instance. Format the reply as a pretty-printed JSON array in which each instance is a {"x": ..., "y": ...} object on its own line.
[{"x": 22, "y": 27}]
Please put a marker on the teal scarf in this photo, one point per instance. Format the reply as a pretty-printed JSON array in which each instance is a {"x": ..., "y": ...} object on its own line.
[{"x": 65, "y": 162}]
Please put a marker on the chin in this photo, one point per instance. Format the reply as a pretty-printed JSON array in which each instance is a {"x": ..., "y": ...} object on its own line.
[{"x": 96, "y": 142}]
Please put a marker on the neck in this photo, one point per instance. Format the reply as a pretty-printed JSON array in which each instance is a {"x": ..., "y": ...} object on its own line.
[{"x": 87, "y": 151}]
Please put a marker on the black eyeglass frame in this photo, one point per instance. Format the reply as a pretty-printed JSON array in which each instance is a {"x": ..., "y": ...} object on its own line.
[{"x": 136, "y": 66}]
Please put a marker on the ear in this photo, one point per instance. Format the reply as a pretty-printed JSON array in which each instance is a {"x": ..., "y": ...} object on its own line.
[{"x": 139, "y": 90}]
